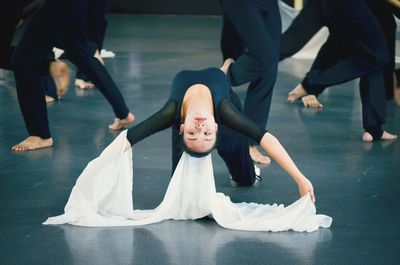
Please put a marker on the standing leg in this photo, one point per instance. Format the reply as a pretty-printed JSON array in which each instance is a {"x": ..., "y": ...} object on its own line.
[
  {"x": 383, "y": 14},
  {"x": 231, "y": 45},
  {"x": 97, "y": 24},
  {"x": 30, "y": 64},
  {"x": 9, "y": 17},
  {"x": 259, "y": 29}
]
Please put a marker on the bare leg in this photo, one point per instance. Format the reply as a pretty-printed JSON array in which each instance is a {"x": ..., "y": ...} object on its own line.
[
  {"x": 297, "y": 93},
  {"x": 311, "y": 101},
  {"x": 258, "y": 158},
  {"x": 32, "y": 143},
  {"x": 386, "y": 136},
  {"x": 59, "y": 71},
  {"x": 122, "y": 123}
]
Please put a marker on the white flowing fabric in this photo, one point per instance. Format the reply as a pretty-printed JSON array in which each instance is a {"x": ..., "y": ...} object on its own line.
[{"x": 102, "y": 196}]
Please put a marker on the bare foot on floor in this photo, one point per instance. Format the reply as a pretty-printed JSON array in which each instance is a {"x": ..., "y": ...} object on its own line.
[
  {"x": 122, "y": 123},
  {"x": 60, "y": 73},
  {"x": 224, "y": 68},
  {"x": 49, "y": 99},
  {"x": 311, "y": 101},
  {"x": 82, "y": 84},
  {"x": 297, "y": 93},
  {"x": 258, "y": 158},
  {"x": 32, "y": 143},
  {"x": 367, "y": 137}
]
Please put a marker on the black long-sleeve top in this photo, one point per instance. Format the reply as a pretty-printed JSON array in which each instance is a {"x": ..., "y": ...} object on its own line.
[{"x": 225, "y": 113}]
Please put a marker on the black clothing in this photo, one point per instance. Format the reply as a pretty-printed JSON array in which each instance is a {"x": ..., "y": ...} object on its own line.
[
  {"x": 304, "y": 26},
  {"x": 234, "y": 127},
  {"x": 225, "y": 112},
  {"x": 31, "y": 60},
  {"x": 312, "y": 18},
  {"x": 97, "y": 25},
  {"x": 356, "y": 47},
  {"x": 251, "y": 35}
]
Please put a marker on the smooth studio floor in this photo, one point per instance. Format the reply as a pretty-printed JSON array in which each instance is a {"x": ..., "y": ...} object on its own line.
[{"x": 356, "y": 183}]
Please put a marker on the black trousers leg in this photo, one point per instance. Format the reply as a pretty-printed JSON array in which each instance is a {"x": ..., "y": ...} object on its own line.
[
  {"x": 328, "y": 56},
  {"x": 233, "y": 147},
  {"x": 231, "y": 44},
  {"x": 383, "y": 14},
  {"x": 373, "y": 116},
  {"x": 305, "y": 25},
  {"x": 30, "y": 65},
  {"x": 78, "y": 52},
  {"x": 259, "y": 30},
  {"x": 10, "y": 14},
  {"x": 97, "y": 25}
]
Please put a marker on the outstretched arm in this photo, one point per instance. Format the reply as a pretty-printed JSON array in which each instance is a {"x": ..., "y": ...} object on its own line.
[
  {"x": 159, "y": 121},
  {"x": 274, "y": 148},
  {"x": 232, "y": 118}
]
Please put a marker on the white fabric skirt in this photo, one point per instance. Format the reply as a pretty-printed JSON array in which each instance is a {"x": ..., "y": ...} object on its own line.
[{"x": 102, "y": 196}]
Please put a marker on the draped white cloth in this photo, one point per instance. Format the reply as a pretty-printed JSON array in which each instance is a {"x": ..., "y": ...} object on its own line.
[{"x": 102, "y": 196}]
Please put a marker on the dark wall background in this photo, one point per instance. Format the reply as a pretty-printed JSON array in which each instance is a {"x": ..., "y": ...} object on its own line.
[{"x": 178, "y": 7}]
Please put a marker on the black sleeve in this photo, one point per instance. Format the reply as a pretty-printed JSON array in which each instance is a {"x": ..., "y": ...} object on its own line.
[
  {"x": 159, "y": 121},
  {"x": 235, "y": 120}
]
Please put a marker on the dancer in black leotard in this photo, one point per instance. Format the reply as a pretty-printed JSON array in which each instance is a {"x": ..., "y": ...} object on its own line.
[{"x": 199, "y": 101}]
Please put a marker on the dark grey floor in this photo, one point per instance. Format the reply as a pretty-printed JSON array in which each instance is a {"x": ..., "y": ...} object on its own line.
[{"x": 358, "y": 184}]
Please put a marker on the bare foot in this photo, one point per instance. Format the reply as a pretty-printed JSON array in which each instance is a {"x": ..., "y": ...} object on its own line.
[
  {"x": 224, "y": 68},
  {"x": 98, "y": 57},
  {"x": 81, "y": 84},
  {"x": 49, "y": 99},
  {"x": 367, "y": 137},
  {"x": 397, "y": 95},
  {"x": 311, "y": 101},
  {"x": 258, "y": 158},
  {"x": 122, "y": 123},
  {"x": 297, "y": 93},
  {"x": 59, "y": 71},
  {"x": 32, "y": 143}
]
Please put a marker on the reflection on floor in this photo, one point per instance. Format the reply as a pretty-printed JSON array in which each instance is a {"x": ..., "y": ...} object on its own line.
[{"x": 356, "y": 183}]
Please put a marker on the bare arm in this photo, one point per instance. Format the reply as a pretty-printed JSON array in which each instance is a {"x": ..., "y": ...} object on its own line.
[{"x": 274, "y": 148}]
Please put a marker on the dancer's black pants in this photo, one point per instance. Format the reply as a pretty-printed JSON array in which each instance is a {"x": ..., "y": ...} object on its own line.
[
  {"x": 251, "y": 35},
  {"x": 97, "y": 25}
]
